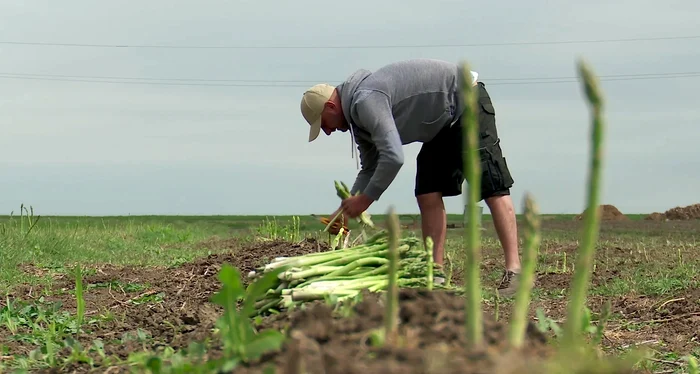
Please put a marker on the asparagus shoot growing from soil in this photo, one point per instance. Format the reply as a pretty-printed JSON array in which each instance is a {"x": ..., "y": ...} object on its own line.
[
  {"x": 429, "y": 249},
  {"x": 527, "y": 275},
  {"x": 80, "y": 299},
  {"x": 472, "y": 168},
  {"x": 584, "y": 260},
  {"x": 692, "y": 365},
  {"x": 392, "y": 304}
]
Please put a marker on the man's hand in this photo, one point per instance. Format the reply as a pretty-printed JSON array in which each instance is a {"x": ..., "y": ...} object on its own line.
[
  {"x": 355, "y": 205},
  {"x": 340, "y": 221},
  {"x": 335, "y": 227}
]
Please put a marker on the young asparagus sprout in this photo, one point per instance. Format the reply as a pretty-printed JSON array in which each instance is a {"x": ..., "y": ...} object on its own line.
[
  {"x": 584, "y": 260},
  {"x": 392, "y": 305},
  {"x": 474, "y": 328},
  {"x": 522, "y": 298},
  {"x": 429, "y": 249},
  {"x": 692, "y": 365}
]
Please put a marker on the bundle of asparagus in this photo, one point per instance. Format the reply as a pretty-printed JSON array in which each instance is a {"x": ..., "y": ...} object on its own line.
[
  {"x": 344, "y": 273},
  {"x": 343, "y": 193}
]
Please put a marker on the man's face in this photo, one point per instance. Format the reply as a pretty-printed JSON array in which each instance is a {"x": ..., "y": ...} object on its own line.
[{"x": 332, "y": 119}]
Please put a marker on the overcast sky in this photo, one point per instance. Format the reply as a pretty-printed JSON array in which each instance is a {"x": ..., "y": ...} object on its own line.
[{"x": 70, "y": 145}]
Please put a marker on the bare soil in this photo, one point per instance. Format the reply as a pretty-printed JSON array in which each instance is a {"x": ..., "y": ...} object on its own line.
[
  {"x": 607, "y": 213},
  {"x": 678, "y": 213},
  {"x": 671, "y": 321},
  {"x": 432, "y": 340}
]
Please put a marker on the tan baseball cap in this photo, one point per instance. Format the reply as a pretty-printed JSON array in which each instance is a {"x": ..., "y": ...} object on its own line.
[{"x": 312, "y": 103}]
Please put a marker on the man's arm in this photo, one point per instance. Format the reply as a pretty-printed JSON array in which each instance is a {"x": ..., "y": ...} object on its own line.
[
  {"x": 373, "y": 111},
  {"x": 368, "y": 162}
]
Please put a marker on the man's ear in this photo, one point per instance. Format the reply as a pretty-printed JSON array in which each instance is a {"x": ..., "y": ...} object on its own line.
[{"x": 329, "y": 105}]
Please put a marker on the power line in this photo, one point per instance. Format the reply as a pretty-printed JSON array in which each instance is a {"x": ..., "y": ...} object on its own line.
[
  {"x": 297, "y": 84},
  {"x": 270, "y": 81},
  {"x": 393, "y": 46},
  {"x": 159, "y": 79},
  {"x": 151, "y": 82}
]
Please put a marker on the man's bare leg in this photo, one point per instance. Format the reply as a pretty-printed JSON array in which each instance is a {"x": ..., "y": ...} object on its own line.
[
  {"x": 434, "y": 222},
  {"x": 507, "y": 230},
  {"x": 504, "y": 221}
]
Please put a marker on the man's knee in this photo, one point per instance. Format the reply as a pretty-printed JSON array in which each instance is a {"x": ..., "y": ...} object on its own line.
[
  {"x": 495, "y": 195},
  {"x": 500, "y": 204},
  {"x": 428, "y": 201}
]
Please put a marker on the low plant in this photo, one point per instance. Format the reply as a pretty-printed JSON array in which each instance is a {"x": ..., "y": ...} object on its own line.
[
  {"x": 270, "y": 229},
  {"x": 242, "y": 343}
]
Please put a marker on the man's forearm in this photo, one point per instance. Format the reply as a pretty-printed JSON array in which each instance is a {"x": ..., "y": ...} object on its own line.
[
  {"x": 374, "y": 111},
  {"x": 382, "y": 178},
  {"x": 361, "y": 181}
]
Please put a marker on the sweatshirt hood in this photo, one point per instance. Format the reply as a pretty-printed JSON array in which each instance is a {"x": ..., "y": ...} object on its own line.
[{"x": 346, "y": 91}]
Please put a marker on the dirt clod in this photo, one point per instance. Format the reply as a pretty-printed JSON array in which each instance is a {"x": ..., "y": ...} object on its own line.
[{"x": 431, "y": 334}]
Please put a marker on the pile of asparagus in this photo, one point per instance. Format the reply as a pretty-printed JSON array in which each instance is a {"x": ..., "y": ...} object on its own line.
[{"x": 342, "y": 274}]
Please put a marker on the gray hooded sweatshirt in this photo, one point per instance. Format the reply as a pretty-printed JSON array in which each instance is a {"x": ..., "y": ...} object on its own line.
[{"x": 401, "y": 103}]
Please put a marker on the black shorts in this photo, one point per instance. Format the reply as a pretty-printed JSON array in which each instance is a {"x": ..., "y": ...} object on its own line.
[{"x": 440, "y": 164}]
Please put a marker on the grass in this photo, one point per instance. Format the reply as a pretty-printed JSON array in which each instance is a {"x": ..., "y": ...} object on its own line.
[
  {"x": 59, "y": 242},
  {"x": 620, "y": 285}
]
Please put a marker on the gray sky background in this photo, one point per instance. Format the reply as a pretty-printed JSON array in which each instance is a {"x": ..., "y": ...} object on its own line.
[{"x": 89, "y": 148}]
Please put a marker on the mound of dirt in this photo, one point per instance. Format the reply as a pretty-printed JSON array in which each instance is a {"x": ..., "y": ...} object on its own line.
[
  {"x": 678, "y": 213},
  {"x": 656, "y": 216},
  {"x": 607, "y": 213},
  {"x": 432, "y": 328}
]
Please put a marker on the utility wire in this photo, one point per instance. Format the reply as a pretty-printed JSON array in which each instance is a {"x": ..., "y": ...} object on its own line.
[
  {"x": 296, "y": 84},
  {"x": 269, "y": 81},
  {"x": 495, "y": 44}
]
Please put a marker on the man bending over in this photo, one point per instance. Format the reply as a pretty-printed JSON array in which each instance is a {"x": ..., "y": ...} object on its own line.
[{"x": 417, "y": 101}]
